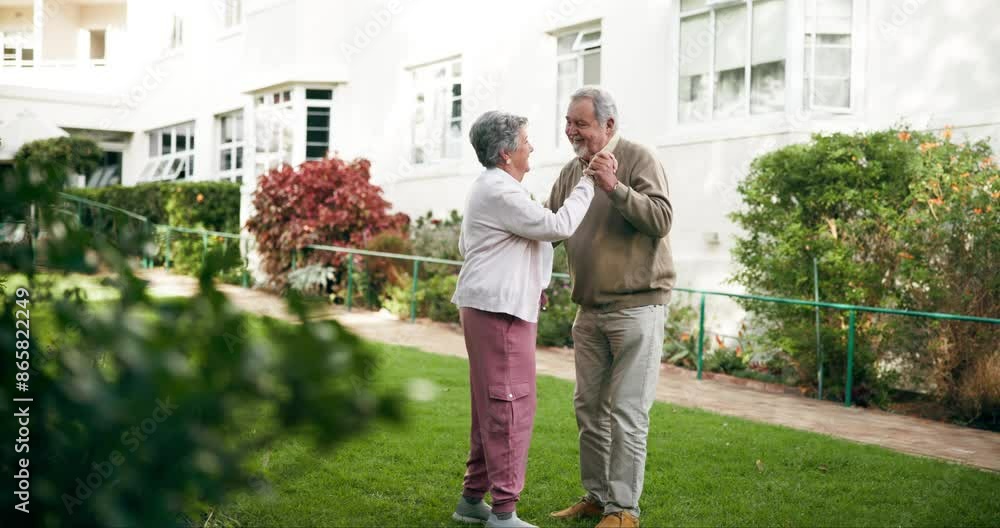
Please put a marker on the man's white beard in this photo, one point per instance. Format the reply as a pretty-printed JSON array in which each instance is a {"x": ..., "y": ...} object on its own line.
[{"x": 581, "y": 149}]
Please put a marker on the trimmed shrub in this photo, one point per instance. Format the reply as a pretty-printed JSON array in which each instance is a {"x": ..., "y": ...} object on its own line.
[
  {"x": 213, "y": 206},
  {"x": 179, "y": 205}
]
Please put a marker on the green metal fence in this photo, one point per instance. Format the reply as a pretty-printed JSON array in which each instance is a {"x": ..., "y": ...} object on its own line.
[{"x": 851, "y": 309}]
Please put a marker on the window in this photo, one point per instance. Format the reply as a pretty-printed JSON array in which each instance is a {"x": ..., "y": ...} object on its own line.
[
  {"x": 827, "y": 76},
  {"x": 578, "y": 63},
  {"x": 177, "y": 33},
  {"x": 109, "y": 173},
  {"x": 318, "y": 122},
  {"x": 273, "y": 128},
  {"x": 231, "y": 144},
  {"x": 98, "y": 45},
  {"x": 18, "y": 49},
  {"x": 171, "y": 153},
  {"x": 437, "y": 117},
  {"x": 232, "y": 12},
  {"x": 732, "y": 58}
]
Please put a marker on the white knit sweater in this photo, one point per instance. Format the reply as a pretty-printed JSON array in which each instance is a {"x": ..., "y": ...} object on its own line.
[{"x": 507, "y": 244}]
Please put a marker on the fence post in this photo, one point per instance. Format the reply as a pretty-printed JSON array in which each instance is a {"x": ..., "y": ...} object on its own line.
[
  {"x": 413, "y": 296},
  {"x": 701, "y": 334},
  {"x": 147, "y": 261},
  {"x": 204, "y": 246},
  {"x": 819, "y": 344},
  {"x": 350, "y": 281},
  {"x": 166, "y": 260},
  {"x": 245, "y": 252},
  {"x": 850, "y": 358}
]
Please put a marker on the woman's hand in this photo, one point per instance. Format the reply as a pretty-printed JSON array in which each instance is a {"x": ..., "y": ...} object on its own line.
[{"x": 602, "y": 169}]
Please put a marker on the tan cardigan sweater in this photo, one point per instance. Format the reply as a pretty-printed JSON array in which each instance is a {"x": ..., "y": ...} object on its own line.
[{"x": 620, "y": 255}]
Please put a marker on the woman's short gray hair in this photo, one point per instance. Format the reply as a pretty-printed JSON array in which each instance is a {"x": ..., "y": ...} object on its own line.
[
  {"x": 604, "y": 105},
  {"x": 493, "y": 132}
]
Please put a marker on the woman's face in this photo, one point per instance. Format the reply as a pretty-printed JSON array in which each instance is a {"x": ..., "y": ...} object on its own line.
[{"x": 519, "y": 158}]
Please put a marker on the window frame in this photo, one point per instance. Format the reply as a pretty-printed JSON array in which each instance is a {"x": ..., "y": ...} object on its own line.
[
  {"x": 448, "y": 149},
  {"x": 578, "y": 52},
  {"x": 323, "y": 103},
  {"x": 710, "y": 8},
  {"x": 281, "y": 102},
  {"x": 165, "y": 167},
  {"x": 232, "y": 21},
  {"x": 234, "y": 147},
  {"x": 176, "y": 41},
  {"x": 856, "y": 47},
  {"x": 19, "y": 41}
]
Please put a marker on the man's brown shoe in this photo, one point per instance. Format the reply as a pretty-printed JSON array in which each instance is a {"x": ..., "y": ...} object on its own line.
[
  {"x": 619, "y": 520},
  {"x": 584, "y": 508}
]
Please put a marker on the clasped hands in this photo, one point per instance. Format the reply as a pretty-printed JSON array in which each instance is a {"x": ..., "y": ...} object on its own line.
[{"x": 602, "y": 169}]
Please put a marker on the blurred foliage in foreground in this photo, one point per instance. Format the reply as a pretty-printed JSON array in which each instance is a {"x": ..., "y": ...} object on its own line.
[{"x": 133, "y": 419}]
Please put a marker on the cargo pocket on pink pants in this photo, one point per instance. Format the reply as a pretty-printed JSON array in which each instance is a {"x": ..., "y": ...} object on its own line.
[{"x": 509, "y": 407}]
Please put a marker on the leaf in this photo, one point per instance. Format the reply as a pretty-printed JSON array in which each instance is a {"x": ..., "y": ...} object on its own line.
[
  {"x": 760, "y": 465},
  {"x": 676, "y": 357}
]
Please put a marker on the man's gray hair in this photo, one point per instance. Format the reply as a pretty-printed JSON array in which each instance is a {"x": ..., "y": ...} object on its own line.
[
  {"x": 493, "y": 132},
  {"x": 604, "y": 104}
]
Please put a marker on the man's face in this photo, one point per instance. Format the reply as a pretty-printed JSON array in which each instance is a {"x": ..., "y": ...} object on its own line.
[{"x": 586, "y": 135}]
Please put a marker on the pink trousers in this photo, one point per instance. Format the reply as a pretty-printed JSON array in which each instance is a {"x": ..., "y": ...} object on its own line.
[{"x": 501, "y": 351}]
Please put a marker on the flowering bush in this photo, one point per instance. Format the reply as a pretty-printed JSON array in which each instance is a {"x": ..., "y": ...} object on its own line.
[
  {"x": 330, "y": 202},
  {"x": 896, "y": 218}
]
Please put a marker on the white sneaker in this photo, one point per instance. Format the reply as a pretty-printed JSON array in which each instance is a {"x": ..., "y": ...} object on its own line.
[
  {"x": 477, "y": 513},
  {"x": 513, "y": 522}
]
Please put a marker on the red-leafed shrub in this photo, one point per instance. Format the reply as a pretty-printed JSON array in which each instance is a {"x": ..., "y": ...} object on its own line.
[{"x": 330, "y": 202}]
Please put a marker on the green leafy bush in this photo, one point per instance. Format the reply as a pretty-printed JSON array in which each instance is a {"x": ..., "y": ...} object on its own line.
[
  {"x": 680, "y": 343},
  {"x": 433, "y": 298},
  {"x": 380, "y": 273},
  {"x": 213, "y": 206},
  {"x": 555, "y": 323},
  {"x": 897, "y": 219},
  {"x": 145, "y": 199},
  {"x": 437, "y": 298},
  {"x": 437, "y": 238}
]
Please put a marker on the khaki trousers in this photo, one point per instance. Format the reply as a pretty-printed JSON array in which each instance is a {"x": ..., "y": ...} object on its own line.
[{"x": 617, "y": 369}]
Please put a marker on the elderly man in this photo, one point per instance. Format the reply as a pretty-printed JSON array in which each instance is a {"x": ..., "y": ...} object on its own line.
[{"x": 623, "y": 274}]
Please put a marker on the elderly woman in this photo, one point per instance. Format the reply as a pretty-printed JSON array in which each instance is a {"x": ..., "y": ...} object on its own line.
[{"x": 506, "y": 242}]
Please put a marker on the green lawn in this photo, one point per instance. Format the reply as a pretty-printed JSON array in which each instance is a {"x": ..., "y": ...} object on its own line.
[
  {"x": 95, "y": 291},
  {"x": 701, "y": 470}
]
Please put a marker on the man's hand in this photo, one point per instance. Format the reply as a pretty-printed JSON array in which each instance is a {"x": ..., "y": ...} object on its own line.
[{"x": 602, "y": 169}]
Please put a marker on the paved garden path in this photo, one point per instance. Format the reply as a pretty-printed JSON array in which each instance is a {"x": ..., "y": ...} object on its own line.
[{"x": 902, "y": 433}]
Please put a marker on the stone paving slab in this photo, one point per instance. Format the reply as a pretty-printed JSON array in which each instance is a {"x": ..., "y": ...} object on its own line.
[{"x": 907, "y": 434}]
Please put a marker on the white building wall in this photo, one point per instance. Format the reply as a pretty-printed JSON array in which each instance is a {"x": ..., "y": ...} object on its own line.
[{"x": 928, "y": 63}]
